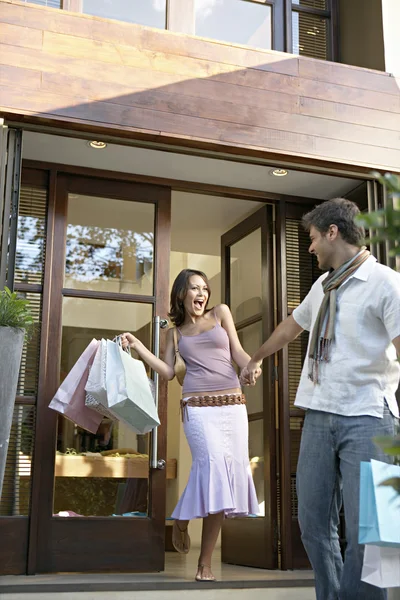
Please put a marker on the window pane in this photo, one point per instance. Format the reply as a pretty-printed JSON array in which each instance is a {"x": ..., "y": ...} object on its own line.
[
  {"x": 31, "y": 235},
  {"x": 149, "y": 12},
  {"x": 320, "y": 4},
  {"x": 235, "y": 21},
  {"x": 246, "y": 275},
  {"x": 310, "y": 37},
  {"x": 110, "y": 245},
  {"x": 51, "y": 3},
  {"x": 256, "y": 453},
  {"x": 251, "y": 339},
  {"x": 105, "y": 473}
]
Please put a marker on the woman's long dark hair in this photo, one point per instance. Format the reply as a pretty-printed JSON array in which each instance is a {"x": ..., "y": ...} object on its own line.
[{"x": 178, "y": 294}]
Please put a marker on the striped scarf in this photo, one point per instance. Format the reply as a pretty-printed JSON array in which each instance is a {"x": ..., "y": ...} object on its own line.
[{"x": 324, "y": 327}]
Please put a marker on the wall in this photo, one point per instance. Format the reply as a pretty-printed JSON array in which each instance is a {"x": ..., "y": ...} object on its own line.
[
  {"x": 391, "y": 23},
  {"x": 154, "y": 84},
  {"x": 361, "y": 34}
]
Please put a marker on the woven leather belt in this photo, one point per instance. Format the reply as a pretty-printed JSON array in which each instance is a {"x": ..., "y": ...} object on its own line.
[{"x": 201, "y": 401}]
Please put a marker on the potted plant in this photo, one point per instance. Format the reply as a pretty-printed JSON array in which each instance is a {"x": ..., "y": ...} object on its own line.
[{"x": 16, "y": 324}]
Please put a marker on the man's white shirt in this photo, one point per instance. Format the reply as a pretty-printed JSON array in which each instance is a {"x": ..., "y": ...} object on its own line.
[{"x": 363, "y": 369}]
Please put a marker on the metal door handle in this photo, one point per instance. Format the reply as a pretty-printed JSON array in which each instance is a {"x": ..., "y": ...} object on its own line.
[{"x": 158, "y": 324}]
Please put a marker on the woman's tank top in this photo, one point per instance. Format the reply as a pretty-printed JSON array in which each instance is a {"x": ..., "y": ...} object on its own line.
[{"x": 208, "y": 361}]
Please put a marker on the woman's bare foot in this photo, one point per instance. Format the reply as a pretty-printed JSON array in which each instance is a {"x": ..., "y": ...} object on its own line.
[
  {"x": 180, "y": 536},
  {"x": 204, "y": 573}
]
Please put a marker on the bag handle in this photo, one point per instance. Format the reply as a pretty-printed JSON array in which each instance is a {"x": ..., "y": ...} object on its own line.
[{"x": 117, "y": 340}]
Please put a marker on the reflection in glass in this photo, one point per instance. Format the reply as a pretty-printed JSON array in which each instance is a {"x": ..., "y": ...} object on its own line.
[
  {"x": 310, "y": 35},
  {"x": 149, "y": 12},
  {"x": 246, "y": 291},
  {"x": 256, "y": 452},
  {"x": 100, "y": 474},
  {"x": 251, "y": 339},
  {"x": 235, "y": 21},
  {"x": 110, "y": 245}
]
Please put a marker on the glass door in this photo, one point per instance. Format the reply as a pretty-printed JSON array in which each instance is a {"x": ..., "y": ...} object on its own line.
[
  {"x": 107, "y": 506},
  {"x": 248, "y": 288}
]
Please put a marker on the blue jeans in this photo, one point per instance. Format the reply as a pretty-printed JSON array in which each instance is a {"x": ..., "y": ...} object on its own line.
[{"x": 328, "y": 472}]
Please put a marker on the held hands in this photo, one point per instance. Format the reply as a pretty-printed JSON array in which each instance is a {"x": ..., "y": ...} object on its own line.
[{"x": 250, "y": 373}]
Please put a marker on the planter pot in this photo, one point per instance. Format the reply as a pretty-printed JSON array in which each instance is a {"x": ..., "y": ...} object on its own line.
[{"x": 11, "y": 343}]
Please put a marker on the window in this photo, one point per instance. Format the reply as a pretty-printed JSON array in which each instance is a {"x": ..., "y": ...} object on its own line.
[
  {"x": 149, "y": 12},
  {"x": 236, "y": 21},
  {"x": 311, "y": 28},
  {"x": 50, "y": 3},
  {"x": 303, "y": 27}
]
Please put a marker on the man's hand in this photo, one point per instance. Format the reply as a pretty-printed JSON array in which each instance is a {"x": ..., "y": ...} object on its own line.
[{"x": 250, "y": 373}]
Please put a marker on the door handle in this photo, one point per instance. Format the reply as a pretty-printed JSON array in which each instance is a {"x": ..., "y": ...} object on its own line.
[{"x": 158, "y": 324}]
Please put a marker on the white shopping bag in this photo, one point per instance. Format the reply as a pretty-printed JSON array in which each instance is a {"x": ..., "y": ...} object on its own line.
[
  {"x": 381, "y": 566},
  {"x": 96, "y": 389},
  {"x": 129, "y": 394},
  {"x": 96, "y": 383}
]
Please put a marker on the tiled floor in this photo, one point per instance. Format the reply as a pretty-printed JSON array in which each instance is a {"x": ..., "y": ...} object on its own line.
[{"x": 178, "y": 575}]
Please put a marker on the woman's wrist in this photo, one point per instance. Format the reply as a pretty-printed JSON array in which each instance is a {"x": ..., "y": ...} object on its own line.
[{"x": 135, "y": 345}]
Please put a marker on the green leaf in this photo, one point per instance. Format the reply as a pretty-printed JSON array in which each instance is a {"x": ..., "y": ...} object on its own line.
[{"x": 15, "y": 312}]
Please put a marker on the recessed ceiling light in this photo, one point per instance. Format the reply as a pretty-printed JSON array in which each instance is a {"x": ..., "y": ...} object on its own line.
[
  {"x": 97, "y": 145},
  {"x": 278, "y": 172}
]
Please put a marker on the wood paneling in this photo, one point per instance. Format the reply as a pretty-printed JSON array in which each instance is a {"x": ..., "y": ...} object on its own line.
[
  {"x": 156, "y": 83},
  {"x": 14, "y": 545}
]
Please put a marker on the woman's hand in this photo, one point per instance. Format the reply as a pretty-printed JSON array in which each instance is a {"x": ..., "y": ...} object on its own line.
[
  {"x": 250, "y": 373},
  {"x": 127, "y": 339}
]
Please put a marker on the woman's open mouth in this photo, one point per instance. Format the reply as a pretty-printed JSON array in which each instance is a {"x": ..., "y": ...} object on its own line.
[{"x": 199, "y": 304}]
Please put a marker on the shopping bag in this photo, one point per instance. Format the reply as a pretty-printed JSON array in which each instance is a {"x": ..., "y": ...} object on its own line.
[
  {"x": 379, "y": 520},
  {"x": 96, "y": 383},
  {"x": 128, "y": 391},
  {"x": 69, "y": 399},
  {"x": 381, "y": 566},
  {"x": 95, "y": 388}
]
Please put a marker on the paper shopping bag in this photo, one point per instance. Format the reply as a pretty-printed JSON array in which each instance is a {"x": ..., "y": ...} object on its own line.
[
  {"x": 379, "y": 520},
  {"x": 69, "y": 399},
  {"x": 381, "y": 566},
  {"x": 95, "y": 388},
  {"x": 96, "y": 383},
  {"x": 128, "y": 390}
]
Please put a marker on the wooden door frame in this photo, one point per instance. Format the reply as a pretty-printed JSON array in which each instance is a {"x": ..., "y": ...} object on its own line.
[
  {"x": 55, "y": 543},
  {"x": 292, "y": 552},
  {"x": 268, "y": 534}
]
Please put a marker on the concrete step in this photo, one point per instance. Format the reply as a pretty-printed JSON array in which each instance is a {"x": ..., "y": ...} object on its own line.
[{"x": 205, "y": 592}]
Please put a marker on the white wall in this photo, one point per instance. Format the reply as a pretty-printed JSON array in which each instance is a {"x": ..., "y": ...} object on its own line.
[{"x": 391, "y": 35}]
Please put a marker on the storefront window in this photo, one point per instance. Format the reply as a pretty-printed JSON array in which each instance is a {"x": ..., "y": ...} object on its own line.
[
  {"x": 110, "y": 245},
  {"x": 235, "y": 21},
  {"x": 105, "y": 473},
  {"x": 151, "y": 12}
]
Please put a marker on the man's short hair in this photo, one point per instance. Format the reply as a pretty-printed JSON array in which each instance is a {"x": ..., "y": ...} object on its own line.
[{"x": 339, "y": 212}]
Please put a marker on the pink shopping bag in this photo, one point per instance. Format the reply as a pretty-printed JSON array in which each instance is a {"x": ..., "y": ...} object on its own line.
[{"x": 69, "y": 399}]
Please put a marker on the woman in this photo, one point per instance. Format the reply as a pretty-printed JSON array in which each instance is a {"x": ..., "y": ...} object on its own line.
[{"x": 213, "y": 410}]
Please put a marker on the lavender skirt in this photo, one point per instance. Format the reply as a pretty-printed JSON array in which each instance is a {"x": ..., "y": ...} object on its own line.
[{"x": 220, "y": 478}]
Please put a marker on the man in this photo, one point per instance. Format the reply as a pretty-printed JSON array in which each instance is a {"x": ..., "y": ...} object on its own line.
[{"x": 347, "y": 387}]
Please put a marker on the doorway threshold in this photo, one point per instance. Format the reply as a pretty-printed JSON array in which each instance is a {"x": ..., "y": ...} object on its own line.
[{"x": 178, "y": 575}]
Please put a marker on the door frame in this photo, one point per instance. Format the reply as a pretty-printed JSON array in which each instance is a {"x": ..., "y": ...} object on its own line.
[
  {"x": 57, "y": 544},
  {"x": 264, "y": 539}
]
